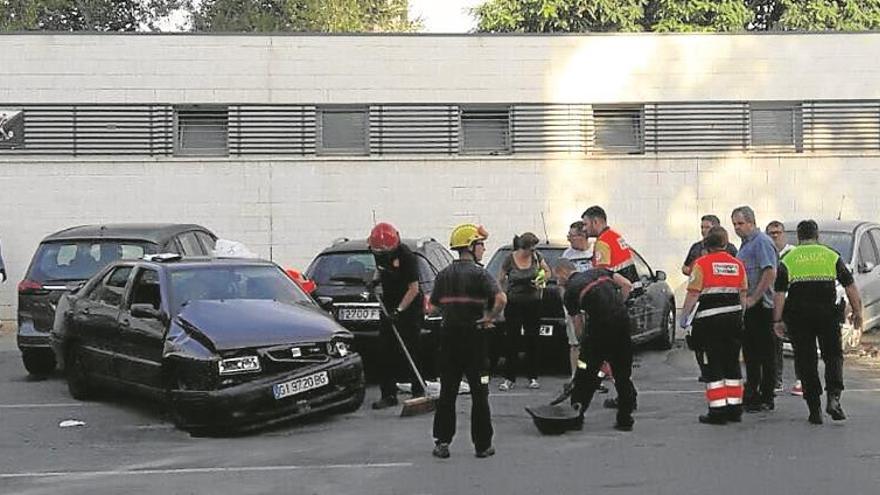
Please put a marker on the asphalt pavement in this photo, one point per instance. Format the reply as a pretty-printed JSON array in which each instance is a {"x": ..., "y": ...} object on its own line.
[{"x": 127, "y": 445}]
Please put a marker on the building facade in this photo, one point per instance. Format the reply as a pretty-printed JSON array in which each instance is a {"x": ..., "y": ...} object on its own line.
[{"x": 288, "y": 142}]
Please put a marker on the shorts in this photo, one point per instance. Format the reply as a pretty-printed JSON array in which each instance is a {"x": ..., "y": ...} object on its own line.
[{"x": 569, "y": 330}]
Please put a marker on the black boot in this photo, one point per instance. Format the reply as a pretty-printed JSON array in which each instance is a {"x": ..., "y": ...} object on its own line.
[
  {"x": 833, "y": 407},
  {"x": 815, "y": 406},
  {"x": 624, "y": 422},
  {"x": 735, "y": 413},
  {"x": 716, "y": 416}
]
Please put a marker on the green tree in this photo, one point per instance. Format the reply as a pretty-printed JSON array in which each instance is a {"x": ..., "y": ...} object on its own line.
[
  {"x": 329, "y": 16},
  {"x": 697, "y": 15},
  {"x": 81, "y": 15},
  {"x": 828, "y": 15},
  {"x": 547, "y": 16}
]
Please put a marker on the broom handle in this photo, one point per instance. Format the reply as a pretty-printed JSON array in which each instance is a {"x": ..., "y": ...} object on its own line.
[{"x": 409, "y": 358}]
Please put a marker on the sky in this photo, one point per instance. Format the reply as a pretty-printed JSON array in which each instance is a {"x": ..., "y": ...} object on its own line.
[{"x": 438, "y": 16}]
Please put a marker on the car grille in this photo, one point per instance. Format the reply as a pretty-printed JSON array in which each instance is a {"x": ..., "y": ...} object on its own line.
[{"x": 283, "y": 358}]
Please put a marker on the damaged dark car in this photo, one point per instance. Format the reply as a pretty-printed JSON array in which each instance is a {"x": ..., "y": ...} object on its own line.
[{"x": 229, "y": 343}]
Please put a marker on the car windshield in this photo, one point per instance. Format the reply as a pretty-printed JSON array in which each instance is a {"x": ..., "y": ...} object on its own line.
[
  {"x": 354, "y": 268},
  {"x": 223, "y": 282},
  {"x": 79, "y": 260},
  {"x": 842, "y": 242},
  {"x": 551, "y": 256}
]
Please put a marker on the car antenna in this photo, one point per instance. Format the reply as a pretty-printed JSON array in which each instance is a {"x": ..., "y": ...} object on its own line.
[
  {"x": 374, "y": 217},
  {"x": 840, "y": 211},
  {"x": 544, "y": 223}
]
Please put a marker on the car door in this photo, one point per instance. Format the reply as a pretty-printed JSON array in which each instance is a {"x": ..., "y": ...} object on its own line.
[
  {"x": 142, "y": 337},
  {"x": 639, "y": 299},
  {"x": 95, "y": 318},
  {"x": 656, "y": 295},
  {"x": 867, "y": 273}
]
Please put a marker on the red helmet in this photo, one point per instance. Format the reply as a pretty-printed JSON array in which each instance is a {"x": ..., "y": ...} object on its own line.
[{"x": 384, "y": 237}]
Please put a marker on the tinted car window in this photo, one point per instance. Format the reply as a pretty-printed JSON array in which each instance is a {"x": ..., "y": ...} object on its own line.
[
  {"x": 79, "y": 260},
  {"x": 112, "y": 288},
  {"x": 145, "y": 289},
  {"x": 867, "y": 253},
  {"x": 342, "y": 268},
  {"x": 190, "y": 244},
  {"x": 875, "y": 234},
  {"x": 642, "y": 268},
  {"x": 842, "y": 242},
  {"x": 551, "y": 256},
  {"x": 207, "y": 241},
  {"x": 234, "y": 282}
]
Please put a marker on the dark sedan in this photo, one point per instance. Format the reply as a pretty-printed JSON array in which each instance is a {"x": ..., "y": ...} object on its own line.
[
  {"x": 231, "y": 343},
  {"x": 652, "y": 308}
]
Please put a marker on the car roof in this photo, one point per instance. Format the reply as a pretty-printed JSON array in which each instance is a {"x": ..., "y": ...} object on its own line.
[
  {"x": 189, "y": 262},
  {"x": 355, "y": 245},
  {"x": 831, "y": 225},
  {"x": 158, "y": 233}
]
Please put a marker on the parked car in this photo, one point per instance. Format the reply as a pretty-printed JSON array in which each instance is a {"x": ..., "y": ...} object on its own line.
[
  {"x": 231, "y": 343},
  {"x": 67, "y": 258},
  {"x": 858, "y": 243},
  {"x": 343, "y": 273},
  {"x": 651, "y": 308}
]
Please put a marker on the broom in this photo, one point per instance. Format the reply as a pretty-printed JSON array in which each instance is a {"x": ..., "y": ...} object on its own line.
[{"x": 416, "y": 405}]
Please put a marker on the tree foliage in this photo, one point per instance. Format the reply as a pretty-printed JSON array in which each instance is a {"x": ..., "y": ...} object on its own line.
[
  {"x": 543, "y": 16},
  {"x": 81, "y": 15}
]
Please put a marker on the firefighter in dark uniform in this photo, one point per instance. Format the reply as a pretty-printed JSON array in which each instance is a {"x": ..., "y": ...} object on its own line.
[
  {"x": 810, "y": 312},
  {"x": 469, "y": 300},
  {"x": 595, "y": 299},
  {"x": 399, "y": 276},
  {"x": 610, "y": 251},
  {"x": 718, "y": 283}
]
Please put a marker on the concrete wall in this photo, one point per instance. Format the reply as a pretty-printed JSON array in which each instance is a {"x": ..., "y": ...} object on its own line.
[{"x": 297, "y": 207}]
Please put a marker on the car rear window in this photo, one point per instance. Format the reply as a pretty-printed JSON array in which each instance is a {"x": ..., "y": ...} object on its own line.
[
  {"x": 79, "y": 260},
  {"x": 551, "y": 256},
  {"x": 342, "y": 268},
  {"x": 842, "y": 242}
]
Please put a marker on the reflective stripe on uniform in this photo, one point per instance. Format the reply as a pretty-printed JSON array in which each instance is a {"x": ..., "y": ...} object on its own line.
[
  {"x": 717, "y": 311},
  {"x": 582, "y": 365},
  {"x": 460, "y": 299},
  {"x": 716, "y": 394},
  {"x": 720, "y": 290},
  {"x": 587, "y": 288},
  {"x": 734, "y": 391}
]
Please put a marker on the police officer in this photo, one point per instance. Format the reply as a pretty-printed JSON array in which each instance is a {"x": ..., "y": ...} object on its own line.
[
  {"x": 610, "y": 251},
  {"x": 809, "y": 311},
  {"x": 469, "y": 300},
  {"x": 718, "y": 282},
  {"x": 596, "y": 299},
  {"x": 401, "y": 295}
]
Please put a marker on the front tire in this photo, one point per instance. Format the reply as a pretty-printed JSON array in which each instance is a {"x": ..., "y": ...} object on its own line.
[
  {"x": 38, "y": 362},
  {"x": 667, "y": 338},
  {"x": 77, "y": 375}
]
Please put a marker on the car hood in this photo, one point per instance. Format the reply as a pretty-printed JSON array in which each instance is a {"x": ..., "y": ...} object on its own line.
[{"x": 240, "y": 323}]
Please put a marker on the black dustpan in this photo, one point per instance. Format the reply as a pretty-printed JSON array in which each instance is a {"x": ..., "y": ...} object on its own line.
[{"x": 555, "y": 419}]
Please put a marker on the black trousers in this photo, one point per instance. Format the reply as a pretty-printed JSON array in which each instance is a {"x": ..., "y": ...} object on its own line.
[
  {"x": 760, "y": 355},
  {"x": 392, "y": 362},
  {"x": 720, "y": 337},
  {"x": 463, "y": 353},
  {"x": 804, "y": 334},
  {"x": 606, "y": 341},
  {"x": 521, "y": 323}
]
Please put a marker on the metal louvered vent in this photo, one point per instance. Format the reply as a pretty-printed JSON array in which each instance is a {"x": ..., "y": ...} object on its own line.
[
  {"x": 97, "y": 129},
  {"x": 413, "y": 129},
  {"x": 775, "y": 126},
  {"x": 343, "y": 131},
  {"x": 265, "y": 129},
  {"x": 551, "y": 128},
  {"x": 485, "y": 129},
  {"x": 841, "y": 125},
  {"x": 696, "y": 127},
  {"x": 201, "y": 131},
  {"x": 617, "y": 129}
]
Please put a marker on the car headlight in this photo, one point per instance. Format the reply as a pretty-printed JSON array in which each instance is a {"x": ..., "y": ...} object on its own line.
[
  {"x": 338, "y": 348},
  {"x": 244, "y": 364}
]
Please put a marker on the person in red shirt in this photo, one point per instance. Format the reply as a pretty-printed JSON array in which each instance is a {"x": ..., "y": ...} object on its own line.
[{"x": 718, "y": 284}]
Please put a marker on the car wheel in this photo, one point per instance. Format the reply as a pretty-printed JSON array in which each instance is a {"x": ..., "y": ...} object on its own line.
[
  {"x": 667, "y": 336},
  {"x": 180, "y": 420},
  {"x": 77, "y": 376},
  {"x": 38, "y": 362}
]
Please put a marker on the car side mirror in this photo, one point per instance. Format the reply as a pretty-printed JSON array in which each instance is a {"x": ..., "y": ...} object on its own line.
[
  {"x": 660, "y": 275},
  {"x": 145, "y": 311}
]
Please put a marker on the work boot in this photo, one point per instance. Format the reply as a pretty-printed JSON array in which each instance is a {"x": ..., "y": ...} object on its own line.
[
  {"x": 734, "y": 414},
  {"x": 487, "y": 452},
  {"x": 714, "y": 417},
  {"x": 833, "y": 407},
  {"x": 624, "y": 422},
  {"x": 752, "y": 407},
  {"x": 815, "y": 406},
  {"x": 385, "y": 402},
  {"x": 613, "y": 403},
  {"x": 441, "y": 450},
  {"x": 769, "y": 405}
]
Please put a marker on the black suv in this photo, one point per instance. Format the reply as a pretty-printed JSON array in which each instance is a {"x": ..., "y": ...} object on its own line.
[
  {"x": 343, "y": 273},
  {"x": 69, "y": 257},
  {"x": 651, "y": 308}
]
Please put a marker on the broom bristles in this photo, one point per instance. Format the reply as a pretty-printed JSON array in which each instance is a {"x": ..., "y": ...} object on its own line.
[{"x": 418, "y": 405}]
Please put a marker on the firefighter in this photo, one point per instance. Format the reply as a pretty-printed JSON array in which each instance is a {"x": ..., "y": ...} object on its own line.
[
  {"x": 399, "y": 276},
  {"x": 610, "y": 251},
  {"x": 596, "y": 299},
  {"x": 718, "y": 284},
  {"x": 469, "y": 300},
  {"x": 810, "y": 312}
]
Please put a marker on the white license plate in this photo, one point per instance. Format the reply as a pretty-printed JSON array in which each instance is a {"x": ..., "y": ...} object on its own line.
[
  {"x": 300, "y": 385},
  {"x": 546, "y": 331},
  {"x": 358, "y": 314}
]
